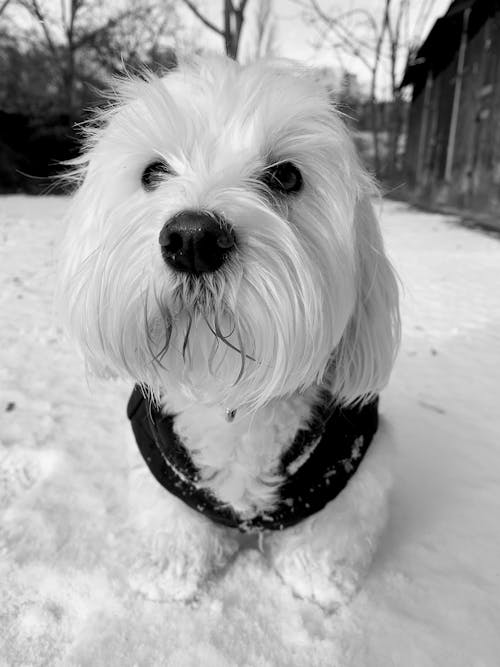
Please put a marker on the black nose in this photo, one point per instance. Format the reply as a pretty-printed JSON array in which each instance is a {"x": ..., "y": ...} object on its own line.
[{"x": 196, "y": 241}]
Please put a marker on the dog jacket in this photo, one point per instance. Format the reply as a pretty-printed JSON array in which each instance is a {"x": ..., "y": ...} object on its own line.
[{"x": 316, "y": 467}]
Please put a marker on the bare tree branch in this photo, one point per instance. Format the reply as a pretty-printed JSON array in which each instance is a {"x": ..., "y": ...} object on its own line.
[
  {"x": 350, "y": 41},
  {"x": 345, "y": 15},
  {"x": 204, "y": 19},
  {"x": 372, "y": 56},
  {"x": 233, "y": 23},
  {"x": 91, "y": 35},
  {"x": 33, "y": 7},
  {"x": 233, "y": 36},
  {"x": 265, "y": 30},
  {"x": 64, "y": 17},
  {"x": 75, "y": 7},
  {"x": 3, "y": 6}
]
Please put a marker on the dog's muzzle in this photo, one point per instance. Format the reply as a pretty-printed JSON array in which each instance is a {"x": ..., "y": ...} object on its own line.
[{"x": 196, "y": 242}]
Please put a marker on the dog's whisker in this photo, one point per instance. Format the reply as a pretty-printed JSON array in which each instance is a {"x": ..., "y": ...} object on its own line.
[
  {"x": 218, "y": 334},
  {"x": 211, "y": 357},
  {"x": 242, "y": 357},
  {"x": 155, "y": 355},
  {"x": 185, "y": 342},
  {"x": 218, "y": 327}
]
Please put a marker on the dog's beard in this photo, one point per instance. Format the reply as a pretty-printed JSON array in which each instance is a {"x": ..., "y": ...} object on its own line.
[{"x": 261, "y": 327}]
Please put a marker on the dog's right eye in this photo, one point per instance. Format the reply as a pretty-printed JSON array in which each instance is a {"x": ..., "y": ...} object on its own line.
[
  {"x": 283, "y": 177},
  {"x": 153, "y": 173}
]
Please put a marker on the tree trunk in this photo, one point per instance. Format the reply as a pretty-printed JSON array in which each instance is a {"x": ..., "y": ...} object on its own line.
[
  {"x": 374, "y": 120},
  {"x": 233, "y": 22}
]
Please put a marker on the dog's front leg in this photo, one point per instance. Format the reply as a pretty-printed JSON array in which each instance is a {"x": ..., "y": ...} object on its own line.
[
  {"x": 325, "y": 557},
  {"x": 173, "y": 548}
]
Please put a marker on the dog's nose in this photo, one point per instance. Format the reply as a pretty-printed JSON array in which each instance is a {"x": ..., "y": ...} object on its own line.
[{"x": 196, "y": 241}]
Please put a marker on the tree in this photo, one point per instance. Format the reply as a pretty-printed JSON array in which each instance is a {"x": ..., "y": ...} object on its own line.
[
  {"x": 54, "y": 59},
  {"x": 379, "y": 43},
  {"x": 143, "y": 38},
  {"x": 84, "y": 42},
  {"x": 3, "y": 6},
  {"x": 265, "y": 31},
  {"x": 233, "y": 19}
]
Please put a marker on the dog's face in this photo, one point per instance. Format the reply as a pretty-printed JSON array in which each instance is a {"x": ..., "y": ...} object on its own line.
[{"x": 223, "y": 239}]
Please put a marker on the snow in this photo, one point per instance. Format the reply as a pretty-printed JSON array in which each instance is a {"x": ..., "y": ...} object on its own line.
[{"x": 432, "y": 596}]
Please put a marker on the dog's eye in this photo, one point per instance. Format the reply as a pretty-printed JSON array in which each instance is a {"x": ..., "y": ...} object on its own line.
[
  {"x": 284, "y": 177},
  {"x": 153, "y": 173}
]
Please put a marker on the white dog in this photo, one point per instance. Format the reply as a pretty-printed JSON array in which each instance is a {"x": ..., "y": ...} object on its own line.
[{"x": 222, "y": 252}]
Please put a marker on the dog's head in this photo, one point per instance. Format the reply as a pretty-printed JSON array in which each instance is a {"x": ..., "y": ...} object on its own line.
[{"x": 223, "y": 236}]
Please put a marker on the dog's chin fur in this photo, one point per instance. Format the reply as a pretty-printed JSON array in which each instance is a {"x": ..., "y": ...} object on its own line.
[{"x": 308, "y": 298}]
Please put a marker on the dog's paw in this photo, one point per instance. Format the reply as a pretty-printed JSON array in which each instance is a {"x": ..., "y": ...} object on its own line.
[
  {"x": 329, "y": 584},
  {"x": 176, "y": 576},
  {"x": 174, "y": 569}
]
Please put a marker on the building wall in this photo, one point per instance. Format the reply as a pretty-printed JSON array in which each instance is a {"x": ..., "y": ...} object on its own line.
[
  {"x": 476, "y": 165},
  {"x": 475, "y": 169},
  {"x": 416, "y": 129}
]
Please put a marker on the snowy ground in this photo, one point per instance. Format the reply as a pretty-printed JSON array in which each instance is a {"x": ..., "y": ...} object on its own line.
[{"x": 432, "y": 596}]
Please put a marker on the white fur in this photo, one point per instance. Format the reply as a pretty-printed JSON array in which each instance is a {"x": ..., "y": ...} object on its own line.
[
  {"x": 308, "y": 299},
  {"x": 239, "y": 460},
  {"x": 324, "y": 557}
]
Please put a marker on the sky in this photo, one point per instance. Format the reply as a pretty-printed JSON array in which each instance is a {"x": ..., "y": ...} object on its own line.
[{"x": 297, "y": 38}]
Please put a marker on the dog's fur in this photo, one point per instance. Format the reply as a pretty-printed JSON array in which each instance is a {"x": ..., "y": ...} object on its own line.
[{"x": 308, "y": 300}]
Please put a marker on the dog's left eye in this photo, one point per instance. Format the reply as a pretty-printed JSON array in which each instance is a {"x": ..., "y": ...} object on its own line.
[
  {"x": 153, "y": 173},
  {"x": 284, "y": 177}
]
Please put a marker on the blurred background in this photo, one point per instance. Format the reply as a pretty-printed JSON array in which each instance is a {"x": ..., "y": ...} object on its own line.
[{"x": 417, "y": 79}]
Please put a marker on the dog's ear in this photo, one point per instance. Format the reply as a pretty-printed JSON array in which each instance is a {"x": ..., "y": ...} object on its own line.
[
  {"x": 77, "y": 271},
  {"x": 364, "y": 358}
]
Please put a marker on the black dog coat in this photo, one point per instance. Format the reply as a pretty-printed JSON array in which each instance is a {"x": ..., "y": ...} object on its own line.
[{"x": 316, "y": 467}]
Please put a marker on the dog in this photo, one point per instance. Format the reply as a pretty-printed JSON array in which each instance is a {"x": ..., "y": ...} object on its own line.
[{"x": 223, "y": 253}]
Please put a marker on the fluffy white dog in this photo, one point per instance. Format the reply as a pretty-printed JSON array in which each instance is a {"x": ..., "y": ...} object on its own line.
[{"x": 222, "y": 252}]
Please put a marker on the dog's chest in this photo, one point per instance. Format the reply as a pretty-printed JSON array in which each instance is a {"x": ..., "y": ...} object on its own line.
[{"x": 239, "y": 461}]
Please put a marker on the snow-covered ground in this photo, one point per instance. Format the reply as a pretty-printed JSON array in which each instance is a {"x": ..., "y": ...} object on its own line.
[{"x": 432, "y": 596}]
